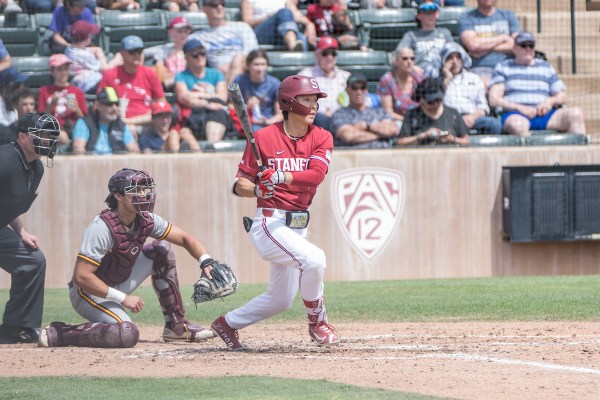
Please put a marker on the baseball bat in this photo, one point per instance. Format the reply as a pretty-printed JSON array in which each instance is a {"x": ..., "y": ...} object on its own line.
[{"x": 242, "y": 112}]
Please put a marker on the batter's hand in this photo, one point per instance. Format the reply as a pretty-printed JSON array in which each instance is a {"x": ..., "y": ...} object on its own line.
[
  {"x": 133, "y": 303},
  {"x": 271, "y": 177},
  {"x": 264, "y": 192}
]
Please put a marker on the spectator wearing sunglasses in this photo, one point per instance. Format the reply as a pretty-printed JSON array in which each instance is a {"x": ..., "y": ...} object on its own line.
[
  {"x": 488, "y": 35},
  {"x": 427, "y": 41},
  {"x": 530, "y": 92},
  {"x": 331, "y": 79},
  {"x": 202, "y": 94},
  {"x": 396, "y": 88},
  {"x": 359, "y": 126},
  {"x": 432, "y": 123},
  {"x": 465, "y": 91},
  {"x": 136, "y": 85}
]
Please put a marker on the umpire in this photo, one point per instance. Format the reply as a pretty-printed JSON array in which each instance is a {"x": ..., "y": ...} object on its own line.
[{"x": 20, "y": 174}]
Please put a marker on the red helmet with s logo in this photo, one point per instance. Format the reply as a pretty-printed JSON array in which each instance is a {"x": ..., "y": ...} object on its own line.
[{"x": 297, "y": 85}]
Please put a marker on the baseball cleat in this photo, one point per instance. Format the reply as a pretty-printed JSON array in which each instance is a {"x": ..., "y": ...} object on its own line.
[
  {"x": 186, "y": 332},
  {"x": 323, "y": 334},
  {"x": 228, "y": 334},
  {"x": 16, "y": 334}
]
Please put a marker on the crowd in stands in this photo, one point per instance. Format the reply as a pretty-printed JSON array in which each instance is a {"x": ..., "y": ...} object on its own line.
[{"x": 169, "y": 97}]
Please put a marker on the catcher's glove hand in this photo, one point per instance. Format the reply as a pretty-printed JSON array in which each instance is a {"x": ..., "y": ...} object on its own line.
[{"x": 223, "y": 282}]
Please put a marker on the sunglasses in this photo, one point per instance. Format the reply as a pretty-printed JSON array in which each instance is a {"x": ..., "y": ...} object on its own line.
[
  {"x": 527, "y": 45},
  {"x": 428, "y": 7},
  {"x": 197, "y": 54},
  {"x": 408, "y": 58},
  {"x": 360, "y": 87},
  {"x": 135, "y": 51},
  {"x": 329, "y": 52},
  {"x": 434, "y": 101},
  {"x": 215, "y": 5}
]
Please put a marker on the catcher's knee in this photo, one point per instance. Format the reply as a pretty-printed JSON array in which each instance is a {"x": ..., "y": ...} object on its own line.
[
  {"x": 162, "y": 255},
  {"x": 123, "y": 335}
]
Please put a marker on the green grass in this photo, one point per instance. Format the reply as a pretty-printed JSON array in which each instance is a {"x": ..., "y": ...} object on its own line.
[
  {"x": 247, "y": 388},
  {"x": 555, "y": 298},
  {"x": 566, "y": 298}
]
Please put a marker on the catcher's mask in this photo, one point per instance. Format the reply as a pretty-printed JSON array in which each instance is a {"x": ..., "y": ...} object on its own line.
[
  {"x": 45, "y": 130},
  {"x": 137, "y": 185},
  {"x": 298, "y": 85}
]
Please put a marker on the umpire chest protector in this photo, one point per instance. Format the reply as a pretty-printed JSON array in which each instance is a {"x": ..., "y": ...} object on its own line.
[{"x": 116, "y": 266}]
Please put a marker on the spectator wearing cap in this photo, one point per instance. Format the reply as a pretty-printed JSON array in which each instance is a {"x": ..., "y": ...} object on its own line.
[
  {"x": 137, "y": 85},
  {"x": 227, "y": 43},
  {"x": 122, "y": 5},
  {"x": 397, "y": 87},
  {"x": 162, "y": 135},
  {"x": 61, "y": 99},
  {"x": 465, "y": 91},
  {"x": 88, "y": 61},
  {"x": 359, "y": 126},
  {"x": 169, "y": 59},
  {"x": 332, "y": 19},
  {"x": 63, "y": 18},
  {"x": 202, "y": 94},
  {"x": 275, "y": 22},
  {"x": 531, "y": 94},
  {"x": 103, "y": 131},
  {"x": 432, "y": 122},
  {"x": 331, "y": 79},
  {"x": 488, "y": 35},
  {"x": 427, "y": 41}
]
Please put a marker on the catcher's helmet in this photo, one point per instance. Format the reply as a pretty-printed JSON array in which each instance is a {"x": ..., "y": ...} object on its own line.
[
  {"x": 45, "y": 130},
  {"x": 297, "y": 85},
  {"x": 136, "y": 183}
]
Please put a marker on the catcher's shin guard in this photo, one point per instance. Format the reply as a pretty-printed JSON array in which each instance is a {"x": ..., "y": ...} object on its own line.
[
  {"x": 90, "y": 334},
  {"x": 166, "y": 287}
]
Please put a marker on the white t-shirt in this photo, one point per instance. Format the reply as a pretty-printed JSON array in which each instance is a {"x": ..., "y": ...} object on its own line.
[
  {"x": 267, "y": 7},
  {"x": 7, "y": 117}
]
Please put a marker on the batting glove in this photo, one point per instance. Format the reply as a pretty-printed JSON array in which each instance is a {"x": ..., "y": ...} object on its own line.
[
  {"x": 264, "y": 192},
  {"x": 271, "y": 177}
]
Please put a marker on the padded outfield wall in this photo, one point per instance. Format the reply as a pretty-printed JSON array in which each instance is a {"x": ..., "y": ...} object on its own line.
[{"x": 397, "y": 214}]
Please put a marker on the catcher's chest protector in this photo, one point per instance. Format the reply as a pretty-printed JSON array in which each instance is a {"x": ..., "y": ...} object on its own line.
[{"x": 116, "y": 266}]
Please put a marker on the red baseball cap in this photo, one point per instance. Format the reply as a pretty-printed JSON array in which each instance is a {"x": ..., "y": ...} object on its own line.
[
  {"x": 179, "y": 22},
  {"x": 327, "y": 42},
  {"x": 82, "y": 29},
  {"x": 161, "y": 107},
  {"x": 56, "y": 60}
]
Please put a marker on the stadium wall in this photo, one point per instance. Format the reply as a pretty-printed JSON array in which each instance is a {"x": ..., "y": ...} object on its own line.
[{"x": 423, "y": 213}]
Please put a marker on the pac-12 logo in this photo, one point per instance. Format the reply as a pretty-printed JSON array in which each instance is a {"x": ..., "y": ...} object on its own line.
[{"x": 368, "y": 204}]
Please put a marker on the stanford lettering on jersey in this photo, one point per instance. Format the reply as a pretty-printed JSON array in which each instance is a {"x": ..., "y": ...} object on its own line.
[{"x": 288, "y": 164}]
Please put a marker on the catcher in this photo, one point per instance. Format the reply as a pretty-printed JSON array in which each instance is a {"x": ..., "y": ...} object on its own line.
[{"x": 113, "y": 261}]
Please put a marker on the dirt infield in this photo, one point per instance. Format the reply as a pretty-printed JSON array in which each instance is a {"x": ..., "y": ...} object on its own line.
[{"x": 474, "y": 360}]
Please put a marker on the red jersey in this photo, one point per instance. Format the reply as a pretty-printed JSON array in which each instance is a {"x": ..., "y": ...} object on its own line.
[
  {"x": 141, "y": 88},
  {"x": 322, "y": 18},
  {"x": 308, "y": 159},
  {"x": 62, "y": 112}
]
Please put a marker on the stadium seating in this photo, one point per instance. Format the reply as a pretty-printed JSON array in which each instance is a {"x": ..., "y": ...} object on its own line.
[
  {"x": 494, "y": 140},
  {"x": 149, "y": 25},
  {"x": 382, "y": 29},
  {"x": 373, "y": 64},
  {"x": 198, "y": 21},
  {"x": 42, "y": 22},
  {"x": 19, "y": 34},
  {"x": 449, "y": 18},
  {"x": 541, "y": 138},
  {"x": 36, "y": 68},
  {"x": 284, "y": 63}
]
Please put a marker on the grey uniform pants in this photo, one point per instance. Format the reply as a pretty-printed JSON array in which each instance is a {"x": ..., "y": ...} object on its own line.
[{"x": 27, "y": 268}]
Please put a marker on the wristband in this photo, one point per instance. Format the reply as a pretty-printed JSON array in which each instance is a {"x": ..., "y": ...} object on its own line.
[
  {"x": 205, "y": 260},
  {"x": 115, "y": 295}
]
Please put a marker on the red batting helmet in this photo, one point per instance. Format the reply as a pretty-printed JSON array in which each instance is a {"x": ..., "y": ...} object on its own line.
[
  {"x": 297, "y": 85},
  {"x": 138, "y": 184}
]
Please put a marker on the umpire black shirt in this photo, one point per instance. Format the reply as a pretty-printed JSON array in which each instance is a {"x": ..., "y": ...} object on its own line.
[{"x": 19, "y": 181}]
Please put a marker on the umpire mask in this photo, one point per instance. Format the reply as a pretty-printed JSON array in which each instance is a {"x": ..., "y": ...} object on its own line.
[{"x": 45, "y": 130}]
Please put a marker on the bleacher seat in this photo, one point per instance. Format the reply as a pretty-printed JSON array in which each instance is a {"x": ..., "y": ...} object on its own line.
[
  {"x": 42, "y": 22},
  {"x": 148, "y": 25},
  {"x": 19, "y": 34},
  {"x": 449, "y": 18},
  {"x": 556, "y": 139},
  {"x": 383, "y": 29},
  {"x": 494, "y": 140},
  {"x": 285, "y": 63},
  {"x": 225, "y": 145},
  {"x": 36, "y": 67},
  {"x": 373, "y": 64},
  {"x": 198, "y": 20}
]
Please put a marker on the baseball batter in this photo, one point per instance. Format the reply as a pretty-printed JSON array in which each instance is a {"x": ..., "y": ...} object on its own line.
[
  {"x": 297, "y": 156},
  {"x": 113, "y": 261}
]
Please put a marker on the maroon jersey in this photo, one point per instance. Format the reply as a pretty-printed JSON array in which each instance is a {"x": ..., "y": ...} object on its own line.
[{"x": 307, "y": 158}]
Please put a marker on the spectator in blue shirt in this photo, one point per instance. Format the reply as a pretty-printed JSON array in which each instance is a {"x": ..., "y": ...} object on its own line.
[
  {"x": 530, "y": 92},
  {"x": 63, "y": 19}
]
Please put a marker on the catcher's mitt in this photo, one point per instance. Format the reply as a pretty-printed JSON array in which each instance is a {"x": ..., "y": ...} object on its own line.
[{"x": 223, "y": 282}]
